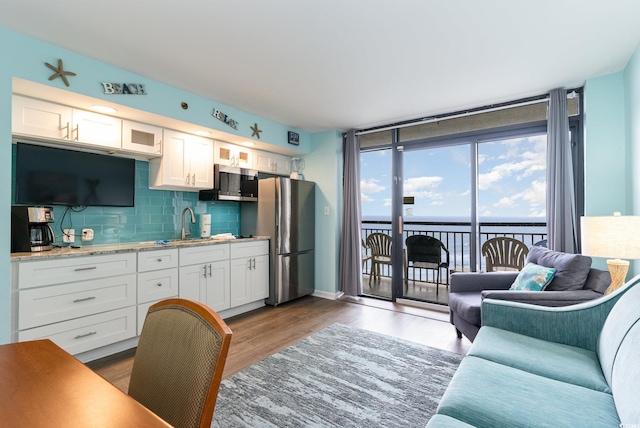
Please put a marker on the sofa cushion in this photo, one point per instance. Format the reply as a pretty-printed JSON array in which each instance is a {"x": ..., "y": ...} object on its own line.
[
  {"x": 487, "y": 394},
  {"x": 466, "y": 306},
  {"x": 598, "y": 280},
  {"x": 571, "y": 269},
  {"x": 444, "y": 421},
  {"x": 626, "y": 376},
  {"x": 533, "y": 277},
  {"x": 553, "y": 360}
]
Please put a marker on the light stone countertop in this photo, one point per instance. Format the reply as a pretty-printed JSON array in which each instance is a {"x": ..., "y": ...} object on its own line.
[{"x": 90, "y": 250}]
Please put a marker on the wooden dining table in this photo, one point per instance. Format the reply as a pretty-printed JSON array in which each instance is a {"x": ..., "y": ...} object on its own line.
[{"x": 41, "y": 385}]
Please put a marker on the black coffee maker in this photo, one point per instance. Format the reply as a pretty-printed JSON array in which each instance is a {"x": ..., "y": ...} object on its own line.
[{"x": 30, "y": 229}]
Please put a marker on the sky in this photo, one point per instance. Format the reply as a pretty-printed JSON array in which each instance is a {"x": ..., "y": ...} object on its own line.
[{"x": 511, "y": 179}]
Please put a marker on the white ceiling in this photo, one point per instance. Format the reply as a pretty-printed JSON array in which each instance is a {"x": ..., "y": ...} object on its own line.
[{"x": 343, "y": 64}]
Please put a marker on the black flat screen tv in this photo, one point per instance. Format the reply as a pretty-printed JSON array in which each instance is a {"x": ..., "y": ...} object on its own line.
[{"x": 52, "y": 176}]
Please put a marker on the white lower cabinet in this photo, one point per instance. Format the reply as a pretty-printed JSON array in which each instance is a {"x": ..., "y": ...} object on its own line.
[
  {"x": 80, "y": 303},
  {"x": 89, "y": 302},
  {"x": 157, "y": 279},
  {"x": 249, "y": 272},
  {"x": 207, "y": 283}
]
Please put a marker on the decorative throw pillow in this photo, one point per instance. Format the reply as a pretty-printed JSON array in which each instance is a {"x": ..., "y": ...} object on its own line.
[{"x": 533, "y": 277}]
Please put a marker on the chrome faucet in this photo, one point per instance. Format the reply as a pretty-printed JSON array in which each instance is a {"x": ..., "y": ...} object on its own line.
[{"x": 193, "y": 220}]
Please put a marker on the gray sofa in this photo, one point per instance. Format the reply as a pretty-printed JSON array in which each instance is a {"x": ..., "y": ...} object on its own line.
[
  {"x": 574, "y": 282},
  {"x": 536, "y": 366}
]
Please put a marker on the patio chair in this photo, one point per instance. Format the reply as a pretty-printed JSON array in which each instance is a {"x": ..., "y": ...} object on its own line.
[
  {"x": 426, "y": 252},
  {"x": 504, "y": 253},
  {"x": 365, "y": 257},
  {"x": 380, "y": 246}
]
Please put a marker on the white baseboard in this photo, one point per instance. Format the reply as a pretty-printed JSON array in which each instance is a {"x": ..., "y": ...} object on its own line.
[{"x": 328, "y": 295}]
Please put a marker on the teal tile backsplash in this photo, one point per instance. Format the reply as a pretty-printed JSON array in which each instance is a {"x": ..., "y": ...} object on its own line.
[{"x": 155, "y": 216}]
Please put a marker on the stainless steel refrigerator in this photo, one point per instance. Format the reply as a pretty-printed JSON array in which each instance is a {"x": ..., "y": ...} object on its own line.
[{"x": 285, "y": 212}]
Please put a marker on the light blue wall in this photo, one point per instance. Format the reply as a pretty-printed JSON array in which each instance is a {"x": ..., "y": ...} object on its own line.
[
  {"x": 632, "y": 104},
  {"x": 605, "y": 146},
  {"x": 24, "y": 58},
  {"x": 324, "y": 166}
]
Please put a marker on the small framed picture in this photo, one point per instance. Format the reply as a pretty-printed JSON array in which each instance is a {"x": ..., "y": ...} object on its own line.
[{"x": 294, "y": 138}]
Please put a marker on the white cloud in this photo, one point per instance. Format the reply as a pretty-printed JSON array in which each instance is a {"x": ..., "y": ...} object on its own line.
[
  {"x": 365, "y": 199},
  {"x": 419, "y": 184},
  {"x": 370, "y": 186},
  {"x": 387, "y": 202},
  {"x": 534, "y": 196}
]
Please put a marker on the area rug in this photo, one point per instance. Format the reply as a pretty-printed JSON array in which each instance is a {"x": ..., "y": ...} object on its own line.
[{"x": 339, "y": 377}]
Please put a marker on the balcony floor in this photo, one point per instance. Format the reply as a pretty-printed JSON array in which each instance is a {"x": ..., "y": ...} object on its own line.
[{"x": 425, "y": 291}]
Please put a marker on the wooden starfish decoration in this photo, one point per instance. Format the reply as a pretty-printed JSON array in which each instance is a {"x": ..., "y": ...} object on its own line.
[
  {"x": 256, "y": 131},
  {"x": 60, "y": 72}
]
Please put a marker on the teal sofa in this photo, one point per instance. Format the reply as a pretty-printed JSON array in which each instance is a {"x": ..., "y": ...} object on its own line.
[{"x": 536, "y": 366}]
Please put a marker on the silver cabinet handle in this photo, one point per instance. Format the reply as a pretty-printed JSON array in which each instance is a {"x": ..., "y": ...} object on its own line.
[
  {"x": 254, "y": 263},
  {"x": 209, "y": 270},
  {"x": 159, "y": 260},
  {"x": 188, "y": 178},
  {"x": 77, "y": 130},
  {"x": 249, "y": 264},
  {"x": 193, "y": 179},
  {"x": 84, "y": 299},
  {"x": 91, "y": 333},
  {"x": 66, "y": 137},
  {"x": 86, "y": 268},
  {"x": 159, "y": 284},
  {"x": 205, "y": 271}
]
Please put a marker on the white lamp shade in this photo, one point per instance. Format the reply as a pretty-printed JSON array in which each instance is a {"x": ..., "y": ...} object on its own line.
[{"x": 611, "y": 236}]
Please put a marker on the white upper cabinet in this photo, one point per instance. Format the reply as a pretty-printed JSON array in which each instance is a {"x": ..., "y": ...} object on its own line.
[
  {"x": 96, "y": 129},
  {"x": 271, "y": 162},
  {"x": 186, "y": 163},
  {"x": 36, "y": 118},
  {"x": 41, "y": 118},
  {"x": 141, "y": 138},
  {"x": 232, "y": 155}
]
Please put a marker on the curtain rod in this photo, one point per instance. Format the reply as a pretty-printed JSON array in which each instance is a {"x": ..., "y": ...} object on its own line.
[{"x": 456, "y": 115}]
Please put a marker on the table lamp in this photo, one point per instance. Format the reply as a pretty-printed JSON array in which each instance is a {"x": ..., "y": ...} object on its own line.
[{"x": 615, "y": 237}]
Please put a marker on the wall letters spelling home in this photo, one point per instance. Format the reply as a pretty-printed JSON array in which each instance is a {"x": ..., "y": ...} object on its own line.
[{"x": 123, "y": 88}]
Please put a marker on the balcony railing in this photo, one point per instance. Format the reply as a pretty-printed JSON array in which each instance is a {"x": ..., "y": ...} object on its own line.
[{"x": 456, "y": 237}]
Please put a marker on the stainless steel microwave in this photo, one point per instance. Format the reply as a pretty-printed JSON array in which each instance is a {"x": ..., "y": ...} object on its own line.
[{"x": 231, "y": 183}]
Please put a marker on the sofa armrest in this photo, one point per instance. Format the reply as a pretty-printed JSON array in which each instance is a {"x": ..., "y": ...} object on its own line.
[
  {"x": 544, "y": 298},
  {"x": 466, "y": 282},
  {"x": 576, "y": 325}
]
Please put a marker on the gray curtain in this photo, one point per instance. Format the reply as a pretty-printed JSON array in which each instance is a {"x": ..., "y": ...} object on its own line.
[
  {"x": 350, "y": 242},
  {"x": 561, "y": 201}
]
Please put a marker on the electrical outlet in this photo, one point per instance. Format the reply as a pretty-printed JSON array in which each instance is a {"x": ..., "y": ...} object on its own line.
[
  {"x": 69, "y": 235},
  {"x": 87, "y": 234}
]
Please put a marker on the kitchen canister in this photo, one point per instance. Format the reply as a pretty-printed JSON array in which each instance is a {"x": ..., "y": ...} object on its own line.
[{"x": 205, "y": 225}]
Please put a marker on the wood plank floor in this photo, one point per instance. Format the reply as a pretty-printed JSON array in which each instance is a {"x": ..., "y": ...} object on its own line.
[{"x": 265, "y": 331}]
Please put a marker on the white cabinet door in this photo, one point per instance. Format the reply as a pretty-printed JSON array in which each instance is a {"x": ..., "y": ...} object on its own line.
[
  {"x": 282, "y": 164},
  {"x": 157, "y": 285},
  {"x": 207, "y": 283},
  {"x": 240, "y": 284},
  {"x": 271, "y": 162},
  {"x": 141, "y": 138},
  {"x": 96, "y": 129},
  {"x": 192, "y": 282},
  {"x": 217, "y": 288},
  {"x": 186, "y": 163},
  {"x": 200, "y": 155},
  {"x": 259, "y": 278},
  {"x": 40, "y": 118},
  {"x": 232, "y": 155}
]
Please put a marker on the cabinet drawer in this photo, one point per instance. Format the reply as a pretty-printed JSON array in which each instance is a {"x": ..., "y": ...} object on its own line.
[
  {"x": 41, "y": 306},
  {"x": 56, "y": 271},
  {"x": 249, "y": 249},
  {"x": 142, "y": 314},
  {"x": 157, "y": 285},
  {"x": 84, "y": 334},
  {"x": 159, "y": 259},
  {"x": 203, "y": 254}
]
